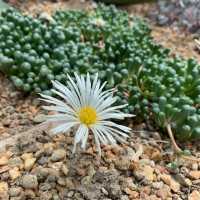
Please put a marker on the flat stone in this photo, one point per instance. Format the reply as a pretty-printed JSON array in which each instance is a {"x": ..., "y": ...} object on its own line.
[
  {"x": 64, "y": 169},
  {"x": 123, "y": 163},
  {"x": 4, "y": 191},
  {"x": 195, "y": 195},
  {"x": 69, "y": 184},
  {"x": 15, "y": 162},
  {"x": 153, "y": 197},
  {"x": 26, "y": 156},
  {"x": 15, "y": 191},
  {"x": 3, "y": 187},
  {"x": 43, "y": 160},
  {"x": 28, "y": 164},
  {"x": 58, "y": 155},
  {"x": 124, "y": 197},
  {"x": 157, "y": 185},
  {"x": 195, "y": 166},
  {"x": 29, "y": 182},
  {"x": 132, "y": 194},
  {"x": 194, "y": 175},
  {"x": 61, "y": 181},
  {"x": 45, "y": 186},
  {"x": 56, "y": 166},
  {"x": 128, "y": 183},
  {"x": 39, "y": 118},
  {"x": 30, "y": 194},
  {"x": 3, "y": 160},
  {"x": 182, "y": 180},
  {"x": 146, "y": 172},
  {"x": 41, "y": 173},
  {"x": 46, "y": 195},
  {"x": 174, "y": 185},
  {"x": 164, "y": 192},
  {"x": 14, "y": 173}
]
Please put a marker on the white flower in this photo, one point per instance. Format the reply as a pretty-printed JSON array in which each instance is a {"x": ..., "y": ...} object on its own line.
[{"x": 87, "y": 108}]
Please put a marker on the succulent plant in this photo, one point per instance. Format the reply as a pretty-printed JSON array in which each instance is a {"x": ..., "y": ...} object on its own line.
[{"x": 157, "y": 87}]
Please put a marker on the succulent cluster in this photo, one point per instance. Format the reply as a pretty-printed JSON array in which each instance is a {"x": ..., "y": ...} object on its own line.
[{"x": 157, "y": 87}]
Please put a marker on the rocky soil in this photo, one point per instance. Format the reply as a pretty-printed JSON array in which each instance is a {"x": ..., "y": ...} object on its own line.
[
  {"x": 41, "y": 167},
  {"x": 17, "y": 111}
]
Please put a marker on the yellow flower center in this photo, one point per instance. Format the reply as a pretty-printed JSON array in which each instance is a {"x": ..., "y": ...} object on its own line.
[{"x": 87, "y": 115}]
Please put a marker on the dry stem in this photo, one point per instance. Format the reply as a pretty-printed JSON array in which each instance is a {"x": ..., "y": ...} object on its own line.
[{"x": 177, "y": 149}]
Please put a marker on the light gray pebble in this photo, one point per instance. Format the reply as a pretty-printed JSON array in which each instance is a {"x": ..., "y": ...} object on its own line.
[
  {"x": 29, "y": 181},
  {"x": 45, "y": 186},
  {"x": 58, "y": 155},
  {"x": 15, "y": 191}
]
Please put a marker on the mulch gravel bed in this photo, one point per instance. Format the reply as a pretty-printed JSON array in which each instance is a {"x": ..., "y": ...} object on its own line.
[
  {"x": 17, "y": 111},
  {"x": 42, "y": 167}
]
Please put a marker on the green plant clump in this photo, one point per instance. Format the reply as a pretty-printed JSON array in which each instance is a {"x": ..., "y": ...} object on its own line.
[{"x": 156, "y": 86}]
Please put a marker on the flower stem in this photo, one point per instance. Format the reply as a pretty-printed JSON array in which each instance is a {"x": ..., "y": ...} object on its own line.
[{"x": 176, "y": 148}]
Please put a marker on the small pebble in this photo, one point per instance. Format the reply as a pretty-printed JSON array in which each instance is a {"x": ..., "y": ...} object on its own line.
[
  {"x": 64, "y": 169},
  {"x": 14, "y": 173},
  {"x": 28, "y": 164},
  {"x": 15, "y": 191},
  {"x": 45, "y": 186},
  {"x": 29, "y": 182},
  {"x": 58, "y": 155}
]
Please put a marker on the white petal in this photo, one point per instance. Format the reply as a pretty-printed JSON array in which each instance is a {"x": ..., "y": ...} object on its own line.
[
  {"x": 98, "y": 99},
  {"x": 113, "y": 108},
  {"x": 96, "y": 139},
  {"x": 106, "y": 136},
  {"x": 62, "y": 117},
  {"x": 75, "y": 89},
  {"x": 114, "y": 116},
  {"x": 101, "y": 136},
  {"x": 116, "y": 135},
  {"x": 81, "y": 87},
  {"x": 112, "y": 124},
  {"x": 85, "y": 138},
  {"x": 63, "y": 127},
  {"x": 71, "y": 96},
  {"x": 88, "y": 89},
  {"x": 65, "y": 109},
  {"x": 52, "y": 100},
  {"x": 78, "y": 136},
  {"x": 106, "y": 103}
]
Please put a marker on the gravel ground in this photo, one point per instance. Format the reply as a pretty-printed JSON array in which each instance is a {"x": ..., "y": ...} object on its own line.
[
  {"x": 17, "y": 111},
  {"x": 42, "y": 167}
]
